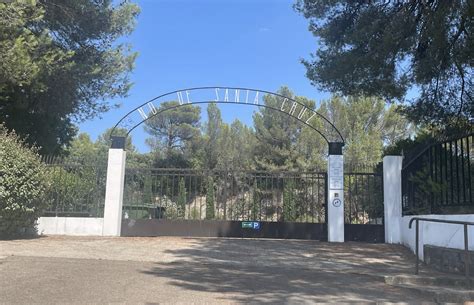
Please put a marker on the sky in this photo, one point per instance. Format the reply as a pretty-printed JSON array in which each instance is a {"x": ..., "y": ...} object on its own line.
[{"x": 193, "y": 43}]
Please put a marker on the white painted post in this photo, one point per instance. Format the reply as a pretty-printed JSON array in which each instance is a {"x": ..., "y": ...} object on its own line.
[
  {"x": 392, "y": 193},
  {"x": 335, "y": 202},
  {"x": 114, "y": 192}
]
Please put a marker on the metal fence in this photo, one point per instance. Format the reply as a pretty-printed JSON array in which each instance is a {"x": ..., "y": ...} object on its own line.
[
  {"x": 439, "y": 180},
  {"x": 247, "y": 195},
  {"x": 224, "y": 195},
  {"x": 363, "y": 198},
  {"x": 75, "y": 189}
]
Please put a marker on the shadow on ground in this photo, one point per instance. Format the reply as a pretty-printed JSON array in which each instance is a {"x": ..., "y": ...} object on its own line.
[{"x": 283, "y": 271}]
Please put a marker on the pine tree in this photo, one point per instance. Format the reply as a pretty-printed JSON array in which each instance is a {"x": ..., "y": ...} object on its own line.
[
  {"x": 181, "y": 198},
  {"x": 385, "y": 48},
  {"x": 213, "y": 130},
  {"x": 61, "y": 62},
  {"x": 289, "y": 201},
  {"x": 210, "y": 206},
  {"x": 277, "y": 135},
  {"x": 255, "y": 208},
  {"x": 366, "y": 125}
]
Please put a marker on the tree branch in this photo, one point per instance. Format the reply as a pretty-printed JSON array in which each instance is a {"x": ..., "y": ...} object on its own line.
[{"x": 461, "y": 74}]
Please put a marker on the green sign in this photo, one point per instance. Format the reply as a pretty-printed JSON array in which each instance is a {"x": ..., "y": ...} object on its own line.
[
  {"x": 247, "y": 224},
  {"x": 251, "y": 225}
]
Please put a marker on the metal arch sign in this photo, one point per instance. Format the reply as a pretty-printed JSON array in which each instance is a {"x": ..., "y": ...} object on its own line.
[{"x": 231, "y": 95}]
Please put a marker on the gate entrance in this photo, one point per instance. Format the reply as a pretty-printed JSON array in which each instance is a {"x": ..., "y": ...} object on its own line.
[
  {"x": 219, "y": 203},
  {"x": 240, "y": 201},
  {"x": 248, "y": 204}
]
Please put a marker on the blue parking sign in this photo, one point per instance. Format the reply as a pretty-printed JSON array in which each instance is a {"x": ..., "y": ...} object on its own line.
[{"x": 256, "y": 225}]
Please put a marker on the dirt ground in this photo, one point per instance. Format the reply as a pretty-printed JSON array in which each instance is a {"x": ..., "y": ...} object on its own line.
[{"x": 79, "y": 270}]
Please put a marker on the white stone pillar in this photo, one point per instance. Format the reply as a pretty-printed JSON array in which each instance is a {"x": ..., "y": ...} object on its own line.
[
  {"x": 114, "y": 192},
  {"x": 335, "y": 202},
  {"x": 392, "y": 193}
]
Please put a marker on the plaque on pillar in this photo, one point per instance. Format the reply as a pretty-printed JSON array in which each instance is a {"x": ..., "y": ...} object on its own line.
[{"x": 336, "y": 172}]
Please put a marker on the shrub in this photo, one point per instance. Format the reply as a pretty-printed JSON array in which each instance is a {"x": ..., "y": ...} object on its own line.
[
  {"x": 195, "y": 213},
  {"x": 73, "y": 189},
  {"x": 22, "y": 185}
]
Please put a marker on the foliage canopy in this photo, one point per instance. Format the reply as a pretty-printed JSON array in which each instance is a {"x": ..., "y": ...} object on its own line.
[
  {"x": 59, "y": 63},
  {"x": 385, "y": 48}
]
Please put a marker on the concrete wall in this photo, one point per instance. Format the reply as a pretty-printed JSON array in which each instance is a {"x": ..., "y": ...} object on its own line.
[
  {"x": 392, "y": 194},
  {"x": 80, "y": 226},
  {"x": 437, "y": 234},
  {"x": 114, "y": 192},
  {"x": 396, "y": 226}
]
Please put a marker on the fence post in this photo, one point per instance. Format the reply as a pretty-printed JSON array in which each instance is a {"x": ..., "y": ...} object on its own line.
[
  {"x": 335, "y": 204},
  {"x": 392, "y": 193},
  {"x": 114, "y": 190}
]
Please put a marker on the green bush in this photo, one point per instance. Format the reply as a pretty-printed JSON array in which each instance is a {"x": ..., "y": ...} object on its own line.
[
  {"x": 22, "y": 185},
  {"x": 74, "y": 189},
  {"x": 195, "y": 213}
]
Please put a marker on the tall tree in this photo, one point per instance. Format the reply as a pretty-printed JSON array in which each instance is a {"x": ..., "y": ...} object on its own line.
[
  {"x": 174, "y": 133},
  {"x": 310, "y": 149},
  {"x": 59, "y": 63},
  {"x": 134, "y": 158},
  {"x": 82, "y": 148},
  {"x": 210, "y": 200},
  {"x": 235, "y": 147},
  {"x": 213, "y": 131},
  {"x": 104, "y": 138},
  {"x": 277, "y": 134},
  {"x": 395, "y": 126},
  {"x": 384, "y": 48},
  {"x": 366, "y": 125}
]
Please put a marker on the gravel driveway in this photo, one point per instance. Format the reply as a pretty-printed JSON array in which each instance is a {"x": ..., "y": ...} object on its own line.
[{"x": 101, "y": 270}]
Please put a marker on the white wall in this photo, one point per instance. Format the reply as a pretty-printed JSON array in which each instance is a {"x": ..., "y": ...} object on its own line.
[
  {"x": 70, "y": 226},
  {"x": 392, "y": 194},
  {"x": 114, "y": 192},
  {"x": 437, "y": 234}
]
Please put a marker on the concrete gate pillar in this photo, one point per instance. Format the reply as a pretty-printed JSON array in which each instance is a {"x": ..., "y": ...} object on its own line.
[
  {"x": 392, "y": 194},
  {"x": 335, "y": 204},
  {"x": 114, "y": 188}
]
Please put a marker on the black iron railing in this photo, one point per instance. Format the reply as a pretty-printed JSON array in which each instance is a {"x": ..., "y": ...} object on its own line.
[
  {"x": 440, "y": 179},
  {"x": 277, "y": 196},
  {"x": 225, "y": 195},
  {"x": 75, "y": 190},
  {"x": 467, "y": 256},
  {"x": 363, "y": 198}
]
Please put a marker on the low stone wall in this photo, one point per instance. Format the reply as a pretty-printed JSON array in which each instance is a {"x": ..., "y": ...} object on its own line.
[
  {"x": 79, "y": 226},
  {"x": 447, "y": 259},
  {"x": 437, "y": 234}
]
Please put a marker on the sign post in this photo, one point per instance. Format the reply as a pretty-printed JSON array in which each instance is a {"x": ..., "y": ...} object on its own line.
[{"x": 335, "y": 203}]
